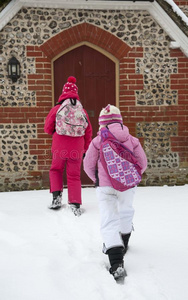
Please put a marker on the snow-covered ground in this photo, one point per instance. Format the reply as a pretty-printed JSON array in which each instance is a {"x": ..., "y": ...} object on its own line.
[{"x": 47, "y": 254}]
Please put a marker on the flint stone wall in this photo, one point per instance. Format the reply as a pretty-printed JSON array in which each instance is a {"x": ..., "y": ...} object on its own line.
[{"x": 158, "y": 65}]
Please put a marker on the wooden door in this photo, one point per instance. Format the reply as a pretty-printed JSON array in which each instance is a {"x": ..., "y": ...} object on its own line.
[{"x": 95, "y": 75}]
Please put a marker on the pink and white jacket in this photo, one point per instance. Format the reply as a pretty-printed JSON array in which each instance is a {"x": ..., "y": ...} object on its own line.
[{"x": 92, "y": 158}]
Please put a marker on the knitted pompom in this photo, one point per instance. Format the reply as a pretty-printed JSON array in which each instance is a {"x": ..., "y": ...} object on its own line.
[
  {"x": 107, "y": 109},
  {"x": 71, "y": 79}
]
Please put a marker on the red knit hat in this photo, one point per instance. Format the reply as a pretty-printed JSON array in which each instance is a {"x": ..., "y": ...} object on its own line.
[{"x": 70, "y": 89}]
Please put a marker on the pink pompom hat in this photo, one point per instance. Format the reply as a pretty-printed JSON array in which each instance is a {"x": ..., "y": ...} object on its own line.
[{"x": 70, "y": 89}]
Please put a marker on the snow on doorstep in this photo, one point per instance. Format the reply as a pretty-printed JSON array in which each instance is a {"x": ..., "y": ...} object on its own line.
[{"x": 47, "y": 254}]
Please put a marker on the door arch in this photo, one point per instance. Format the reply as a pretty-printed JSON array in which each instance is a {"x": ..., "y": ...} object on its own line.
[
  {"x": 96, "y": 81},
  {"x": 96, "y": 78}
]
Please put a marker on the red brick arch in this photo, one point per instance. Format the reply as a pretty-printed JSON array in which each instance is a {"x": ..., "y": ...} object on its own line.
[{"x": 85, "y": 32}]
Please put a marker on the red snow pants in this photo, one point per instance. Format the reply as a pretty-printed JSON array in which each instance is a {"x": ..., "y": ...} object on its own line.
[{"x": 73, "y": 167}]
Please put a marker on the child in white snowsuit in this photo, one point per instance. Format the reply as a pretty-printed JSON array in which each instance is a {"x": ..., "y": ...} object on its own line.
[{"x": 116, "y": 208}]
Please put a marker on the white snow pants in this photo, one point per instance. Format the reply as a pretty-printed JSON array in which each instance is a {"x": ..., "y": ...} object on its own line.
[{"x": 116, "y": 214}]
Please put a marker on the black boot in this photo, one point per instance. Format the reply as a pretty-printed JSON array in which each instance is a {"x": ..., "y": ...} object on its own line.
[
  {"x": 125, "y": 238},
  {"x": 56, "y": 202},
  {"x": 75, "y": 207},
  {"x": 117, "y": 266}
]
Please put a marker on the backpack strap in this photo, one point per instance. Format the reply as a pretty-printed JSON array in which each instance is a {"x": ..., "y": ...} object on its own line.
[
  {"x": 106, "y": 134},
  {"x": 59, "y": 103},
  {"x": 73, "y": 101},
  {"x": 114, "y": 123}
]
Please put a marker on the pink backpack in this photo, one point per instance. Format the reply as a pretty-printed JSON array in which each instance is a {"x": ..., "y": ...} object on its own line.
[
  {"x": 71, "y": 119},
  {"x": 119, "y": 162}
]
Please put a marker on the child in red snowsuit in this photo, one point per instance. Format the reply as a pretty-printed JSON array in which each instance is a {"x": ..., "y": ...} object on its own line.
[{"x": 67, "y": 150}]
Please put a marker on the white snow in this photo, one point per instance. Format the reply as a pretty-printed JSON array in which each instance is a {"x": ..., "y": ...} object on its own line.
[
  {"x": 47, "y": 254},
  {"x": 178, "y": 11}
]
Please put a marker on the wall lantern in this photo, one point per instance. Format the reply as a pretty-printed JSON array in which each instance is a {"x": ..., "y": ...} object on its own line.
[{"x": 14, "y": 69}]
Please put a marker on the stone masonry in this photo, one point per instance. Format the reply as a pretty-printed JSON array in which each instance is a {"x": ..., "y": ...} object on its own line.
[{"x": 153, "y": 90}]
